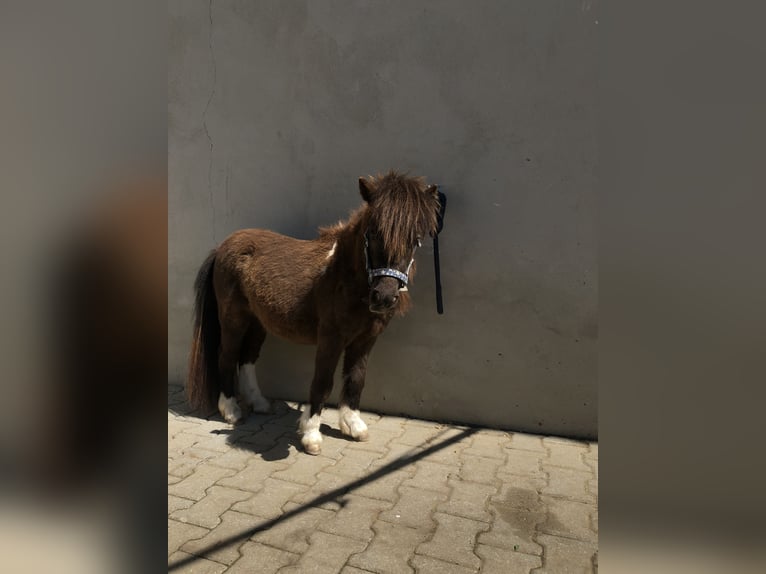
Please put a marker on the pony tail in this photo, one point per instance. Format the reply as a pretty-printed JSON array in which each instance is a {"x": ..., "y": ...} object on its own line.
[{"x": 202, "y": 385}]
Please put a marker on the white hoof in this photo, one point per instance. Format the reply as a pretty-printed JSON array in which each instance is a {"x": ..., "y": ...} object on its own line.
[
  {"x": 351, "y": 424},
  {"x": 229, "y": 409},
  {"x": 312, "y": 442},
  {"x": 308, "y": 426}
]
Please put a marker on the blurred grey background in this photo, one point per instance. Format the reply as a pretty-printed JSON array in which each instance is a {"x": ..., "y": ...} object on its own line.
[{"x": 275, "y": 110}]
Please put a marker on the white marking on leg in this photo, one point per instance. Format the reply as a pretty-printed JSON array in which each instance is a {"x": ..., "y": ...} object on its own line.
[
  {"x": 308, "y": 426},
  {"x": 249, "y": 389},
  {"x": 332, "y": 251},
  {"x": 229, "y": 408},
  {"x": 351, "y": 424}
]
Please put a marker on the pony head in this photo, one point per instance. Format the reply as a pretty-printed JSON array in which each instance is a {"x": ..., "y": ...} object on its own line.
[{"x": 402, "y": 211}]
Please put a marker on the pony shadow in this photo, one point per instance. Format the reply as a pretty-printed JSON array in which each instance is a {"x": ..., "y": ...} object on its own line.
[{"x": 269, "y": 435}]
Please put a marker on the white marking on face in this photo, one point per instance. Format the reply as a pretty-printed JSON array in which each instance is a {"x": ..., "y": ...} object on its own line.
[
  {"x": 249, "y": 389},
  {"x": 229, "y": 408},
  {"x": 332, "y": 251},
  {"x": 351, "y": 424},
  {"x": 308, "y": 426}
]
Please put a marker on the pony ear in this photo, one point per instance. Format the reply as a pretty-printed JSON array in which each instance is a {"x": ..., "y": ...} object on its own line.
[{"x": 365, "y": 190}]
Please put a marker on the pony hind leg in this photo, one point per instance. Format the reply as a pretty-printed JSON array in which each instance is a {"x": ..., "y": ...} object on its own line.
[
  {"x": 248, "y": 383},
  {"x": 233, "y": 330},
  {"x": 354, "y": 372}
]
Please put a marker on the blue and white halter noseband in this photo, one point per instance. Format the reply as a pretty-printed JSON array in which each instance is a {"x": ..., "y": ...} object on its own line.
[{"x": 387, "y": 271}]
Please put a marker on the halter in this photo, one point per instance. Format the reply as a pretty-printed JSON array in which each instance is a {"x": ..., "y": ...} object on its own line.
[{"x": 386, "y": 271}]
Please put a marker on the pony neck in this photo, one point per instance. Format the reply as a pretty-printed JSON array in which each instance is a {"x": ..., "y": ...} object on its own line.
[{"x": 351, "y": 243}]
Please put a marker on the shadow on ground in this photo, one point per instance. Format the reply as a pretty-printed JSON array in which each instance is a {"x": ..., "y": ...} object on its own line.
[
  {"x": 269, "y": 435},
  {"x": 277, "y": 446}
]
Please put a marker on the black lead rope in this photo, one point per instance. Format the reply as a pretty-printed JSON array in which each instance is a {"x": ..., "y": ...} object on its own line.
[{"x": 437, "y": 268}]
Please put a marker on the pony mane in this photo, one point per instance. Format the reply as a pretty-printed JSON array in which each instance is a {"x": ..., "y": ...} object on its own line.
[{"x": 401, "y": 210}]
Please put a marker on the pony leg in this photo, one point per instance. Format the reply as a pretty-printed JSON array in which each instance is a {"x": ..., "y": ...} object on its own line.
[
  {"x": 354, "y": 371},
  {"x": 231, "y": 341},
  {"x": 328, "y": 353},
  {"x": 248, "y": 383}
]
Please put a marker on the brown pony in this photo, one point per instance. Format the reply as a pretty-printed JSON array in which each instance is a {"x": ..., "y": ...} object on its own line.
[{"x": 337, "y": 292}]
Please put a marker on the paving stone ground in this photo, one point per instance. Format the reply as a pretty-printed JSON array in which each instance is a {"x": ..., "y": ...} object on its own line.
[{"x": 418, "y": 497}]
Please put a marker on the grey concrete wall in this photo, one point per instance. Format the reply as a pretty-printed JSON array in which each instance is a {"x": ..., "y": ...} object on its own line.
[{"x": 275, "y": 110}]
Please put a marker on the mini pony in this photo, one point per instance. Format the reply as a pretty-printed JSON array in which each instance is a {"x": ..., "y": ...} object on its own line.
[{"x": 338, "y": 292}]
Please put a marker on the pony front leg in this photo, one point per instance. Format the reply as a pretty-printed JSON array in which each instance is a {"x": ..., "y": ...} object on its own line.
[
  {"x": 354, "y": 372},
  {"x": 328, "y": 353}
]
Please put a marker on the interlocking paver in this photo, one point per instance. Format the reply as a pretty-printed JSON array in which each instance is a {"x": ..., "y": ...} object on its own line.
[
  {"x": 266, "y": 436},
  {"x": 207, "y": 511},
  {"x": 454, "y": 540},
  {"x": 398, "y": 454},
  {"x": 222, "y": 442},
  {"x": 517, "y": 512},
  {"x": 568, "y": 483},
  {"x": 568, "y": 454},
  {"x": 206, "y": 429},
  {"x": 489, "y": 445},
  {"x": 355, "y": 517},
  {"x": 292, "y": 534},
  {"x": 429, "y": 565},
  {"x": 523, "y": 463},
  {"x": 326, "y": 484},
  {"x": 390, "y": 549},
  {"x": 177, "y": 503},
  {"x": 304, "y": 470},
  {"x": 388, "y": 423},
  {"x": 196, "y": 484},
  {"x": 185, "y": 462},
  {"x": 497, "y": 561},
  {"x": 329, "y": 550},
  {"x": 232, "y": 525},
  {"x": 268, "y": 502},
  {"x": 179, "y": 533},
  {"x": 355, "y": 463},
  {"x": 566, "y": 555},
  {"x": 309, "y": 568},
  {"x": 491, "y": 501},
  {"x": 180, "y": 442},
  {"x": 417, "y": 435},
  {"x": 568, "y": 518},
  {"x": 252, "y": 477},
  {"x": 195, "y": 565},
  {"x": 527, "y": 442},
  {"x": 469, "y": 500},
  {"x": 414, "y": 508},
  {"x": 235, "y": 458},
  {"x": 261, "y": 559},
  {"x": 385, "y": 487},
  {"x": 479, "y": 469},
  {"x": 176, "y": 425},
  {"x": 431, "y": 476}
]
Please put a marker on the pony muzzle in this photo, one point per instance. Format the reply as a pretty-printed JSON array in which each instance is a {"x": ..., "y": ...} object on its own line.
[{"x": 384, "y": 294}]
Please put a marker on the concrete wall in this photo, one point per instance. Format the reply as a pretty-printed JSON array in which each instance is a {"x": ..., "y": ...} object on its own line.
[{"x": 275, "y": 110}]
